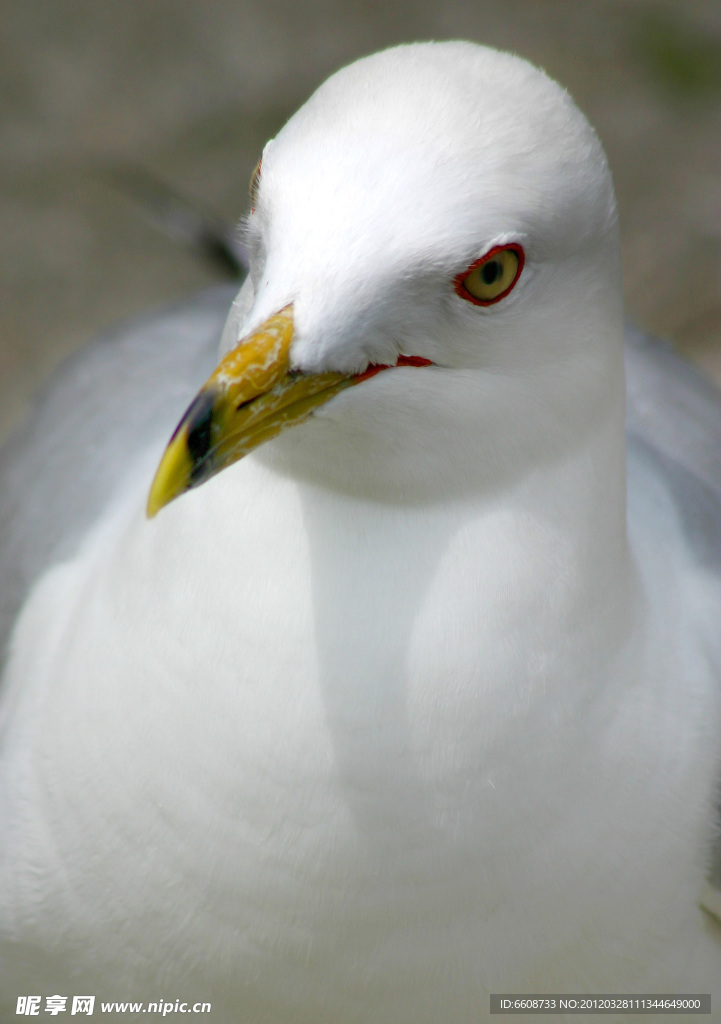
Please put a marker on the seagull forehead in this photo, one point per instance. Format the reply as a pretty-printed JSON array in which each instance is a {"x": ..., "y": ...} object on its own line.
[{"x": 451, "y": 139}]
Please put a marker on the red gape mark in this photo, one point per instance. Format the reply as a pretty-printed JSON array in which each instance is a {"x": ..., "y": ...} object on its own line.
[{"x": 375, "y": 368}]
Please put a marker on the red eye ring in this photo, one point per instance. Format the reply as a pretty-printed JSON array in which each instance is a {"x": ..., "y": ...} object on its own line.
[{"x": 459, "y": 280}]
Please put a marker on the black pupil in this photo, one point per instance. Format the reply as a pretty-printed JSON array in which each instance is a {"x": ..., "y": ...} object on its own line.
[{"x": 491, "y": 271}]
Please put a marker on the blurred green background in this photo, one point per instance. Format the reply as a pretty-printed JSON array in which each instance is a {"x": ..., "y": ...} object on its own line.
[{"x": 191, "y": 90}]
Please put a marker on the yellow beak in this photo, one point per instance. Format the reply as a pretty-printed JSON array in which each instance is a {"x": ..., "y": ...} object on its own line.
[{"x": 250, "y": 398}]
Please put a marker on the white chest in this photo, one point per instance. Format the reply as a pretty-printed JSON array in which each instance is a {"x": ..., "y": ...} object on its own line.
[{"x": 286, "y": 733}]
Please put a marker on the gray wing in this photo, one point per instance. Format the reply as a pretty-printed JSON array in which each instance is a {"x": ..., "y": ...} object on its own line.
[
  {"x": 674, "y": 418},
  {"x": 62, "y": 465}
]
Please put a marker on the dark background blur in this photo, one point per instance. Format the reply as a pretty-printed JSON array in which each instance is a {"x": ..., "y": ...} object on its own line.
[{"x": 191, "y": 90}]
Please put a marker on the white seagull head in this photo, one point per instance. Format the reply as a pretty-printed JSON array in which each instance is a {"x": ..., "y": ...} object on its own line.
[{"x": 437, "y": 203}]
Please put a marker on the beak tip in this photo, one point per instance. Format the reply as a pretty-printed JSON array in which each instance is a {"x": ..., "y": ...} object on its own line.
[
  {"x": 158, "y": 498},
  {"x": 152, "y": 508},
  {"x": 173, "y": 475}
]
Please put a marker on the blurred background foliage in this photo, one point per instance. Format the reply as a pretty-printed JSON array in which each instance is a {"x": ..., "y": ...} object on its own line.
[
  {"x": 684, "y": 59},
  {"x": 190, "y": 91}
]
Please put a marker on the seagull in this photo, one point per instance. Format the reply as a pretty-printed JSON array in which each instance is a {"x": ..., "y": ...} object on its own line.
[{"x": 392, "y": 680}]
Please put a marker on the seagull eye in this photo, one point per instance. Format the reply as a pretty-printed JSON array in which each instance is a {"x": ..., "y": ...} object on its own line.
[
  {"x": 254, "y": 185},
  {"x": 491, "y": 277}
]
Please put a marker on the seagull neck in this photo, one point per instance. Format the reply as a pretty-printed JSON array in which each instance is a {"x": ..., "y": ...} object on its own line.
[{"x": 579, "y": 501}]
